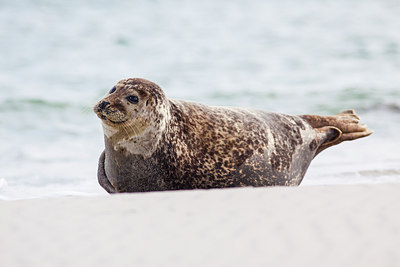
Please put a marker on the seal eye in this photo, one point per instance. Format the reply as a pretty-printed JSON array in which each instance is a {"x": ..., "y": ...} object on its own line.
[
  {"x": 112, "y": 90},
  {"x": 133, "y": 99}
]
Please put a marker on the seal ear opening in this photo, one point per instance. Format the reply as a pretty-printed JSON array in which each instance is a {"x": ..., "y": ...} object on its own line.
[{"x": 147, "y": 102}]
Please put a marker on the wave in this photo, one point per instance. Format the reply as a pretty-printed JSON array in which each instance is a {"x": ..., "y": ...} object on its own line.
[
  {"x": 374, "y": 173},
  {"x": 37, "y": 104},
  {"x": 317, "y": 101}
]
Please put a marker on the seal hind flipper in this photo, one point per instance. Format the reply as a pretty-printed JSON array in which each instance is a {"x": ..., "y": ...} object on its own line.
[
  {"x": 344, "y": 126},
  {"x": 102, "y": 177}
]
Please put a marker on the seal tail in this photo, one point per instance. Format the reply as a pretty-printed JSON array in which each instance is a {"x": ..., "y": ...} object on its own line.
[{"x": 335, "y": 129}]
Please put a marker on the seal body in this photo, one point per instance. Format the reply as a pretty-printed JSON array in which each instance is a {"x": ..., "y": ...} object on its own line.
[{"x": 168, "y": 144}]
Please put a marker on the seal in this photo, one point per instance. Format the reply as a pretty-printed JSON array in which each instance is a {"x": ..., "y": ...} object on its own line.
[{"x": 153, "y": 143}]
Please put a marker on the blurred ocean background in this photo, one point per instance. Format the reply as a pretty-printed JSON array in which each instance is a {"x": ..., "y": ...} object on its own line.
[{"x": 58, "y": 58}]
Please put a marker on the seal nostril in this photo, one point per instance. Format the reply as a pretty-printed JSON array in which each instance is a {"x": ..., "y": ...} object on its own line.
[{"x": 104, "y": 104}]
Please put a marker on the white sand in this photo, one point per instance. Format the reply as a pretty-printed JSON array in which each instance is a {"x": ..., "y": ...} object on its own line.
[{"x": 357, "y": 225}]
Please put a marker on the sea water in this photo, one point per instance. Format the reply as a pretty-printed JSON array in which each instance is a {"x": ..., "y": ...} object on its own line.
[{"x": 58, "y": 58}]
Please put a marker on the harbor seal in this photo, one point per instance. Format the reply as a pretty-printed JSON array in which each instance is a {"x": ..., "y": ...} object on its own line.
[{"x": 153, "y": 143}]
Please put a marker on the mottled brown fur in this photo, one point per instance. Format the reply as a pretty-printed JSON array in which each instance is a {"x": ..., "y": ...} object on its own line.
[{"x": 186, "y": 145}]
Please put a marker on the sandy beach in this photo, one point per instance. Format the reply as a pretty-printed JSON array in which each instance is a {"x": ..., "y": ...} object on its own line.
[{"x": 346, "y": 225}]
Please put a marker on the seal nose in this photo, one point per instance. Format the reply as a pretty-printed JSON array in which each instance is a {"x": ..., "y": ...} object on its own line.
[{"x": 103, "y": 104}]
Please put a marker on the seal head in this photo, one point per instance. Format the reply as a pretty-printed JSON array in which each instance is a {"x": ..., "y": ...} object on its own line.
[{"x": 134, "y": 115}]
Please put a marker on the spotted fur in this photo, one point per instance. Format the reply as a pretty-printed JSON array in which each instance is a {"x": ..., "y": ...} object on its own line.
[{"x": 163, "y": 144}]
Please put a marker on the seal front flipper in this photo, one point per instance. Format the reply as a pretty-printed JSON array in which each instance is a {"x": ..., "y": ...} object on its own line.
[
  {"x": 335, "y": 129},
  {"x": 102, "y": 177}
]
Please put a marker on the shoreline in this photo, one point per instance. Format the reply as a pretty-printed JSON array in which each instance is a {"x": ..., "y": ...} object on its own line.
[{"x": 335, "y": 225}]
